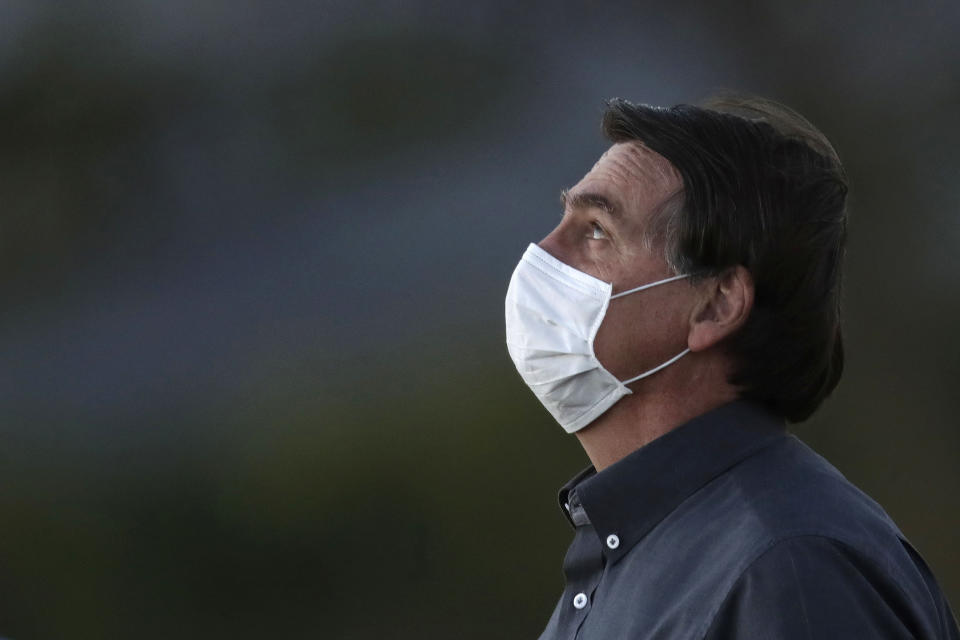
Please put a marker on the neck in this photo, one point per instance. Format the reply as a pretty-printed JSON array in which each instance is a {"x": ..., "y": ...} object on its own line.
[{"x": 655, "y": 409}]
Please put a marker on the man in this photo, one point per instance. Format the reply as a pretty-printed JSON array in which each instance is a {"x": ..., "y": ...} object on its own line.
[{"x": 686, "y": 307}]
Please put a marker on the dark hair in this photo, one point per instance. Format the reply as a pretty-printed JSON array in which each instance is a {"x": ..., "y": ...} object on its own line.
[{"x": 762, "y": 188}]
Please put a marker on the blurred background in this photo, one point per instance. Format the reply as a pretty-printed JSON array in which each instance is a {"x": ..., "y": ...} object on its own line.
[{"x": 253, "y": 258}]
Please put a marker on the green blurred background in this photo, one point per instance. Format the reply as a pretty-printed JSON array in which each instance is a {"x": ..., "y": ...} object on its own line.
[{"x": 253, "y": 258}]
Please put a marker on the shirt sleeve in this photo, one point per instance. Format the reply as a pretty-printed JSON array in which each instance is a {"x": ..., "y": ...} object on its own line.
[{"x": 812, "y": 587}]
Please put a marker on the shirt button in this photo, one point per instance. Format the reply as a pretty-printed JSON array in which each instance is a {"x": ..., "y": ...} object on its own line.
[
  {"x": 613, "y": 541},
  {"x": 580, "y": 600}
]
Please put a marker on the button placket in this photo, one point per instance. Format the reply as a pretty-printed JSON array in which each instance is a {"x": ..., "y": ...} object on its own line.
[
  {"x": 586, "y": 599},
  {"x": 583, "y": 566}
]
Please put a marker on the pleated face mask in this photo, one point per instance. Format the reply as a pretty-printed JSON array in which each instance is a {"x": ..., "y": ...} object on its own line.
[{"x": 553, "y": 312}]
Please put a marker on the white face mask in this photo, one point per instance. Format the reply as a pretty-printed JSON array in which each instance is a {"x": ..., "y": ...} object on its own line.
[{"x": 553, "y": 312}]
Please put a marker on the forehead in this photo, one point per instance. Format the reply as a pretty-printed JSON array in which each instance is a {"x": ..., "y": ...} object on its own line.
[{"x": 634, "y": 175}]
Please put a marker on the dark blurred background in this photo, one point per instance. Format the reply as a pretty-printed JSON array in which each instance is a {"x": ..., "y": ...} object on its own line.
[{"x": 253, "y": 258}]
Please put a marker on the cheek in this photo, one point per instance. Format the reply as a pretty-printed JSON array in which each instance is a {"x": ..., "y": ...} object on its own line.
[
  {"x": 637, "y": 335},
  {"x": 623, "y": 332},
  {"x": 597, "y": 264}
]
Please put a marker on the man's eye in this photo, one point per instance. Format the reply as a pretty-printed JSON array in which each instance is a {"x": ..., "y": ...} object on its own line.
[{"x": 596, "y": 232}]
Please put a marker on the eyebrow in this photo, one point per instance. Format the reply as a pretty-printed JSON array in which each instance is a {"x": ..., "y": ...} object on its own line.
[{"x": 589, "y": 200}]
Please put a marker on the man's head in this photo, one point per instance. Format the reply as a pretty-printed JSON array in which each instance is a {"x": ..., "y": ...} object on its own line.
[{"x": 748, "y": 197}]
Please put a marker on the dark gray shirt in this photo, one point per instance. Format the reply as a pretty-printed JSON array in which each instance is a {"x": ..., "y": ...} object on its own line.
[{"x": 729, "y": 527}]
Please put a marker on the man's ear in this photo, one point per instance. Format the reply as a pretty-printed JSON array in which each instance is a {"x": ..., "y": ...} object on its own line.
[{"x": 723, "y": 308}]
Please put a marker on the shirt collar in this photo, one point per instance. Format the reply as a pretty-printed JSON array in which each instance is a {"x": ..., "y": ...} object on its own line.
[{"x": 628, "y": 498}]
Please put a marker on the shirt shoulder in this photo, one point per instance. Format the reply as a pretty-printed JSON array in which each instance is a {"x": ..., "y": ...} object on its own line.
[
  {"x": 785, "y": 526},
  {"x": 788, "y": 490},
  {"x": 812, "y": 586}
]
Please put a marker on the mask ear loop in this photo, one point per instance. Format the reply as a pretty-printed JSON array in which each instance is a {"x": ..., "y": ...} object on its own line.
[
  {"x": 674, "y": 358},
  {"x": 647, "y": 286},
  {"x": 657, "y": 368}
]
